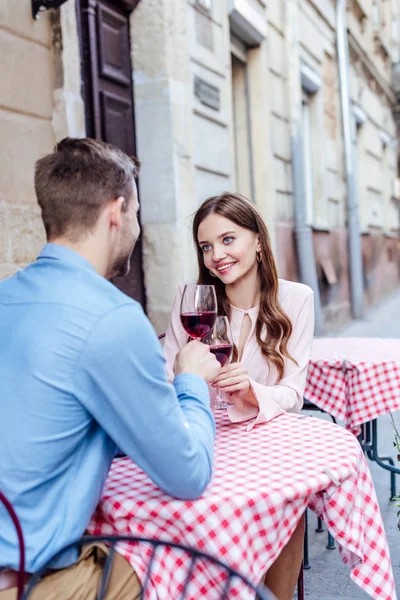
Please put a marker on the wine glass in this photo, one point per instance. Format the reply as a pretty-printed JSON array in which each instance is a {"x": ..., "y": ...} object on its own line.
[
  {"x": 221, "y": 345},
  {"x": 198, "y": 310}
]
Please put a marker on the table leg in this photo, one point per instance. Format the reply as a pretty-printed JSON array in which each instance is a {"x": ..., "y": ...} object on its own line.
[
  {"x": 369, "y": 443},
  {"x": 306, "y": 564},
  {"x": 331, "y": 542}
]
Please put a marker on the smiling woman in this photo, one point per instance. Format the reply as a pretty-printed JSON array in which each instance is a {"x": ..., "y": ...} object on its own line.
[
  {"x": 272, "y": 323},
  {"x": 272, "y": 320}
]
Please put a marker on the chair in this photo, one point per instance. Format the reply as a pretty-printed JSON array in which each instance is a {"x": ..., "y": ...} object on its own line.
[
  {"x": 21, "y": 543},
  {"x": 193, "y": 558}
]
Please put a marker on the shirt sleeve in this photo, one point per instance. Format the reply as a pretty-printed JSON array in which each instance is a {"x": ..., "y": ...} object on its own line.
[
  {"x": 167, "y": 430},
  {"x": 287, "y": 395},
  {"x": 175, "y": 337}
]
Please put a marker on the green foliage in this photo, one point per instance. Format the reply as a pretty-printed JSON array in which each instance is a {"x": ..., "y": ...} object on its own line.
[{"x": 396, "y": 444}]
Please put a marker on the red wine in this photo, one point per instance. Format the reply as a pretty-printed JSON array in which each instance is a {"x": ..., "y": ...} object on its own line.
[
  {"x": 222, "y": 352},
  {"x": 198, "y": 324}
]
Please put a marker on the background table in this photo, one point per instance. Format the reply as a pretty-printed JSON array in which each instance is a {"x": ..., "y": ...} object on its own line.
[
  {"x": 263, "y": 480},
  {"x": 357, "y": 380},
  {"x": 354, "y": 379}
]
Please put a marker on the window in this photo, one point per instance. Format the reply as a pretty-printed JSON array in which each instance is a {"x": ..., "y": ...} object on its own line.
[
  {"x": 310, "y": 83},
  {"x": 241, "y": 121},
  {"x": 307, "y": 158}
]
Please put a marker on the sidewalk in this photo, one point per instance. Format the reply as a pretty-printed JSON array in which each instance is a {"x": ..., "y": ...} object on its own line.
[
  {"x": 382, "y": 321},
  {"x": 328, "y": 578}
]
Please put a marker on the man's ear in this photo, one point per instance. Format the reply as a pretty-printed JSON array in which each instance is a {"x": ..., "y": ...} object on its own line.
[{"x": 115, "y": 211}]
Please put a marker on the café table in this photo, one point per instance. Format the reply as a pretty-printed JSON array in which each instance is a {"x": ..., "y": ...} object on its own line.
[
  {"x": 357, "y": 380},
  {"x": 263, "y": 480}
]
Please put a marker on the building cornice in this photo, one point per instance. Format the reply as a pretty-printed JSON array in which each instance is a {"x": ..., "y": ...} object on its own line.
[{"x": 371, "y": 69}]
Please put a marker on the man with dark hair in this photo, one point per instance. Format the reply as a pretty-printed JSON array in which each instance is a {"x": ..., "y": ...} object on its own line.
[{"x": 82, "y": 372}]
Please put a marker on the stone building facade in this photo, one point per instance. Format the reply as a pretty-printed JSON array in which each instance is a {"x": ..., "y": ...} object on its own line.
[{"x": 213, "y": 111}]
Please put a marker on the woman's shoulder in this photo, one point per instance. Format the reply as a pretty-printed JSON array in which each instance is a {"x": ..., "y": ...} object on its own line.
[{"x": 293, "y": 293}]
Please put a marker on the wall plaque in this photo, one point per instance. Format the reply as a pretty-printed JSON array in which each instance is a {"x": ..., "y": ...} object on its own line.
[{"x": 207, "y": 94}]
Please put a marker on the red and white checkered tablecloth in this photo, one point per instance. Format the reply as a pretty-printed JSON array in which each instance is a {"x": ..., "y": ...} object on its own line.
[
  {"x": 263, "y": 480},
  {"x": 354, "y": 379}
]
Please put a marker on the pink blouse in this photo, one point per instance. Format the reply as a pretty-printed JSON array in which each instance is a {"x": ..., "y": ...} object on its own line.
[{"x": 297, "y": 300}]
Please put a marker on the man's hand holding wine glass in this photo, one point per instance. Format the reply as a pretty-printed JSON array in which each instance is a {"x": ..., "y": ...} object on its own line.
[{"x": 197, "y": 359}]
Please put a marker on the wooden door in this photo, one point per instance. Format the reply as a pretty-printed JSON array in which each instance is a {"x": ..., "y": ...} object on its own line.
[{"x": 108, "y": 94}]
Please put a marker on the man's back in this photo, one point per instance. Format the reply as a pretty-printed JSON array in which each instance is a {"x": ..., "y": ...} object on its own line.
[
  {"x": 46, "y": 315},
  {"x": 64, "y": 332}
]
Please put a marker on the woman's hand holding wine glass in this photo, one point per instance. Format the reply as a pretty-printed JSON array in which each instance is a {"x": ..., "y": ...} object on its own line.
[{"x": 220, "y": 343}]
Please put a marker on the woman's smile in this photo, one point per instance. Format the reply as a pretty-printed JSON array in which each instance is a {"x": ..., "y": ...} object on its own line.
[{"x": 225, "y": 267}]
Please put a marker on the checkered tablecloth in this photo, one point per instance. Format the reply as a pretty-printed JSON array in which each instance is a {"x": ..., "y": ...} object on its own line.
[
  {"x": 354, "y": 379},
  {"x": 263, "y": 480}
]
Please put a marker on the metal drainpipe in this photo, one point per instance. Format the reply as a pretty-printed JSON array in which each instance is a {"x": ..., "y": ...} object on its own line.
[
  {"x": 353, "y": 225},
  {"x": 303, "y": 233}
]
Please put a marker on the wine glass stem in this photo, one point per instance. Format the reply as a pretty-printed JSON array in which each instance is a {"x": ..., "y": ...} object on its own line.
[{"x": 220, "y": 401}]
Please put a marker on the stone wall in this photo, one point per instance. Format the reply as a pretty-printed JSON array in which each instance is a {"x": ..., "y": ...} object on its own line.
[
  {"x": 40, "y": 103},
  {"x": 26, "y": 111},
  {"x": 185, "y": 125}
]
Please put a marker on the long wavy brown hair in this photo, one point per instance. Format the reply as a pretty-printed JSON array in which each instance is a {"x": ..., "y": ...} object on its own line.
[{"x": 273, "y": 326}]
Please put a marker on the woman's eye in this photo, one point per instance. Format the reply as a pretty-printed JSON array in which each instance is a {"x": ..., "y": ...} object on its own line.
[
  {"x": 206, "y": 247},
  {"x": 228, "y": 239}
]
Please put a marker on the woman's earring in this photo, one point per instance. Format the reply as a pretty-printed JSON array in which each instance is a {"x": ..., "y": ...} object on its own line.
[
  {"x": 259, "y": 256},
  {"x": 212, "y": 274}
]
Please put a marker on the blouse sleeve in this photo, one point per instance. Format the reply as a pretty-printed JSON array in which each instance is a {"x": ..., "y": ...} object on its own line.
[
  {"x": 287, "y": 395},
  {"x": 175, "y": 336}
]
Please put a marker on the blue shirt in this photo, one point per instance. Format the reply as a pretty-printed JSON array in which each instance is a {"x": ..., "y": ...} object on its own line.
[{"x": 82, "y": 372}]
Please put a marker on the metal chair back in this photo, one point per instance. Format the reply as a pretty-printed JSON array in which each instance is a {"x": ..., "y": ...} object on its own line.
[
  {"x": 193, "y": 557},
  {"x": 21, "y": 568}
]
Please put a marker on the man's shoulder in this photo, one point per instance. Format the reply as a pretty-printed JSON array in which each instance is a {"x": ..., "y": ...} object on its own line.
[{"x": 77, "y": 292}]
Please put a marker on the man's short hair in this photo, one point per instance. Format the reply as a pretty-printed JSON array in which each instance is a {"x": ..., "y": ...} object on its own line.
[{"x": 74, "y": 182}]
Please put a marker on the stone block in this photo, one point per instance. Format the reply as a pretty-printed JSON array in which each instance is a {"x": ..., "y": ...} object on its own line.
[
  {"x": 275, "y": 15},
  {"x": 211, "y": 184},
  {"x": 280, "y": 133},
  {"x": 278, "y": 97},
  {"x": 371, "y": 171},
  {"x": 156, "y": 151},
  {"x": 148, "y": 39},
  {"x": 26, "y": 75},
  {"x": 282, "y": 176},
  {"x": 221, "y": 91},
  {"x": 371, "y": 104},
  {"x": 24, "y": 140},
  {"x": 16, "y": 15},
  {"x": 211, "y": 144},
  {"x": 334, "y": 185},
  {"x": 371, "y": 139},
  {"x": 284, "y": 207},
  {"x": 26, "y": 232},
  {"x": 208, "y": 42},
  {"x": 163, "y": 250},
  {"x": 311, "y": 37},
  {"x": 276, "y": 45}
]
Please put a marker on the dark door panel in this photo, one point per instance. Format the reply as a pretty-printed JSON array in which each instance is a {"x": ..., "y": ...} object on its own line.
[{"x": 108, "y": 94}]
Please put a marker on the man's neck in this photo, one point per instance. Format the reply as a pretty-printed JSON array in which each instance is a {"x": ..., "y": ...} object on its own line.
[{"x": 88, "y": 249}]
